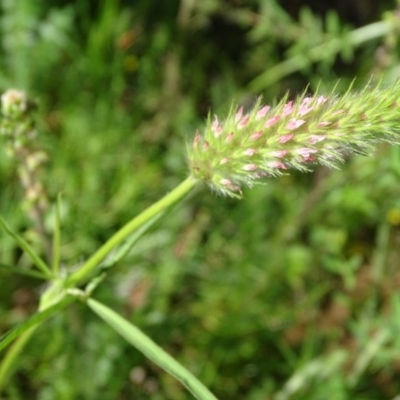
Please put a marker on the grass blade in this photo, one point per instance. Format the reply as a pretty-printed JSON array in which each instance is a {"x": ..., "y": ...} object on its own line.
[
  {"x": 23, "y": 271},
  {"x": 151, "y": 350},
  {"x": 40, "y": 264}
]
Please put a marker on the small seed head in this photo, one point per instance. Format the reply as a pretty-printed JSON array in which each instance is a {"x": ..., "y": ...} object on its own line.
[{"x": 245, "y": 148}]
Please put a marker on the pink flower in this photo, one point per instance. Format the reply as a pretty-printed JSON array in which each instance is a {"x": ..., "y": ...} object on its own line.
[
  {"x": 229, "y": 137},
  {"x": 316, "y": 138},
  {"x": 272, "y": 121},
  {"x": 306, "y": 101},
  {"x": 225, "y": 182},
  {"x": 230, "y": 185},
  {"x": 196, "y": 139},
  {"x": 287, "y": 109},
  {"x": 305, "y": 151},
  {"x": 304, "y": 109},
  {"x": 215, "y": 127},
  {"x": 250, "y": 167},
  {"x": 277, "y": 164},
  {"x": 262, "y": 112},
  {"x": 223, "y": 161},
  {"x": 278, "y": 153},
  {"x": 250, "y": 152},
  {"x": 323, "y": 123},
  {"x": 238, "y": 115},
  {"x": 285, "y": 138},
  {"x": 294, "y": 123},
  {"x": 256, "y": 135},
  {"x": 320, "y": 100},
  {"x": 243, "y": 122}
]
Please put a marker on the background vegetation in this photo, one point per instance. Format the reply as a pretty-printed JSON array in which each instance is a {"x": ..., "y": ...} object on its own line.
[{"x": 291, "y": 293}]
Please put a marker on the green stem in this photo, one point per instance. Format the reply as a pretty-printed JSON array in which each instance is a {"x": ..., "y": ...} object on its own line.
[
  {"x": 57, "y": 238},
  {"x": 9, "y": 361},
  {"x": 171, "y": 198},
  {"x": 21, "y": 335},
  {"x": 317, "y": 53}
]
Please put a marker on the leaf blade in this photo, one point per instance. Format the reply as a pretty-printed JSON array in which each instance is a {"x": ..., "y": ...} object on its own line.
[
  {"x": 36, "y": 259},
  {"x": 22, "y": 271},
  {"x": 151, "y": 350}
]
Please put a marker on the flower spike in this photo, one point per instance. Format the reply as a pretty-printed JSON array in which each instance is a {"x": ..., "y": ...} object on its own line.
[{"x": 246, "y": 148}]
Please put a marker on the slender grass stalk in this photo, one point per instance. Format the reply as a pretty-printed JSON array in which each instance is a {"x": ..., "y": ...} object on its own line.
[
  {"x": 21, "y": 334},
  {"x": 171, "y": 198},
  {"x": 56, "y": 240},
  {"x": 10, "y": 360},
  {"x": 374, "y": 346}
]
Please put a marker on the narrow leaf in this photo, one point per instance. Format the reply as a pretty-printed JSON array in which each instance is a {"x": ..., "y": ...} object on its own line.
[
  {"x": 364, "y": 359},
  {"x": 57, "y": 238},
  {"x": 23, "y": 271},
  {"x": 40, "y": 264},
  {"x": 9, "y": 362},
  {"x": 151, "y": 350},
  {"x": 37, "y": 318}
]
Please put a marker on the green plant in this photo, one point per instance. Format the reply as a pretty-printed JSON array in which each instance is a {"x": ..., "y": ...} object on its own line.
[
  {"x": 242, "y": 150},
  {"x": 257, "y": 297}
]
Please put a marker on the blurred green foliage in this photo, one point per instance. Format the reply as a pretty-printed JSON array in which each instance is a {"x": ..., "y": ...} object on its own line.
[{"x": 291, "y": 293}]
